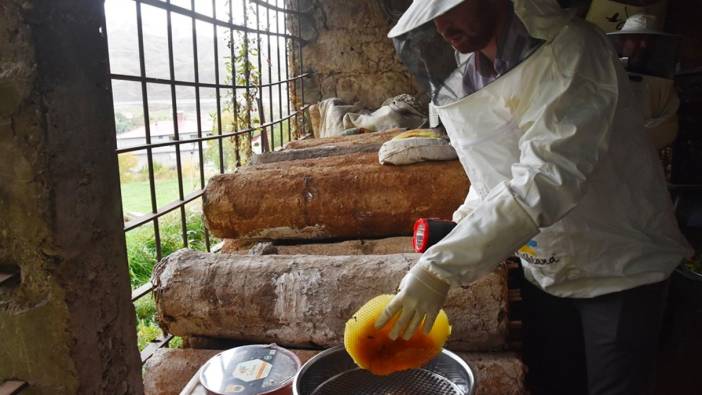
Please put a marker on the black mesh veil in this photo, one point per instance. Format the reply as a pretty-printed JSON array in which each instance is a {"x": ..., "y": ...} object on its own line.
[
  {"x": 428, "y": 57},
  {"x": 449, "y": 75}
]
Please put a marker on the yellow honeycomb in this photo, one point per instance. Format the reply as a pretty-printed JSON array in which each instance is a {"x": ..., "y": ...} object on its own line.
[{"x": 371, "y": 348}]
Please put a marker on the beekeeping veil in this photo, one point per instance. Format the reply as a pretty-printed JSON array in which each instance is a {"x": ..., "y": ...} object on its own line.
[{"x": 449, "y": 75}]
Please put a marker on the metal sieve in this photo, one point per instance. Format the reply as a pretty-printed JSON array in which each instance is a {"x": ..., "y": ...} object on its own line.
[{"x": 333, "y": 372}]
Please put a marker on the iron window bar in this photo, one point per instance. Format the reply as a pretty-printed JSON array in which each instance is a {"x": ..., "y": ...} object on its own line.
[
  {"x": 287, "y": 72},
  {"x": 247, "y": 68},
  {"x": 235, "y": 103},
  {"x": 133, "y": 224},
  {"x": 198, "y": 116},
  {"x": 270, "y": 78},
  {"x": 154, "y": 345},
  {"x": 176, "y": 133},
  {"x": 261, "y": 115},
  {"x": 289, "y": 41},
  {"x": 135, "y": 78},
  {"x": 142, "y": 291},
  {"x": 147, "y": 128},
  {"x": 280, "y": 87},
  {"x": 217, "y": 88}
]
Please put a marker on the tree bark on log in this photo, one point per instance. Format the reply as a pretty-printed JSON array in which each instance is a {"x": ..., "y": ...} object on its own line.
[
  {"x": 390, "y": 245},
  {"x": 339, "y": 197},
  {"x": 304, "y": 300},
  {"x": 169, "y": 370}
]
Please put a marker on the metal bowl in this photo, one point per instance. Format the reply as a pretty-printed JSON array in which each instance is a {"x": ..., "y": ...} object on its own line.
[{"x": 333, "y": 372}]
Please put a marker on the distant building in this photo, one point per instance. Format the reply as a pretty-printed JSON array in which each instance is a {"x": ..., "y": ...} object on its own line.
[{"x": 162, "y": 131}]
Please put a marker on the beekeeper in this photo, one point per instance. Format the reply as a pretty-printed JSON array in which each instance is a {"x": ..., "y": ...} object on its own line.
[
  {"x": 540, "y": 112},
  {"x": 650, "y": 57}
]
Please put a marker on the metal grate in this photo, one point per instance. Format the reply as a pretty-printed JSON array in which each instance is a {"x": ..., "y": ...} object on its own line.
[
  {"x": 409, "y": 382},
  {"x": 250, "y": 71}
]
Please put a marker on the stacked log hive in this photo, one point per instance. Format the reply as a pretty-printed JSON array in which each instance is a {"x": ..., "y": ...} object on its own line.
[
  {"x": 170, "y": 370},
  {"x": 285, "y": 299},
  {"x": 347, "y": 196}
]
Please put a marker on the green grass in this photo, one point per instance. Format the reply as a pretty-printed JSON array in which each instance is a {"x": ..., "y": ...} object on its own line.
[
  {"x": 275, "y": 140},
  {"x": 141, "y": 243},
  {"x": 147, "y": 329},
  {"x": 136, "y": 195}
]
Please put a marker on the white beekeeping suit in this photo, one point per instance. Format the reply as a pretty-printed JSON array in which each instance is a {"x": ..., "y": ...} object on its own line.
[
  {"x": 560, "y": 171},
  {"x": 659, "y": 107},
  {"x": 650, "y": 56}
]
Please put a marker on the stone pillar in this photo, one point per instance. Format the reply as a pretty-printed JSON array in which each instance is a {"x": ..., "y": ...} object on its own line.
[{"x": 68, "y": 325}]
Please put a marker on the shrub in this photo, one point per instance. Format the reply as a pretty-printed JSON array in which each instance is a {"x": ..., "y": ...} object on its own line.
[
  {"x": 141, "y": 243},
  {"x": 127, "y": 166}
]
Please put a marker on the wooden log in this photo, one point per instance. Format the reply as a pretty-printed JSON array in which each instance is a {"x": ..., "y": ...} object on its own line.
[
  {"x": 338, "y": 197},
  {"x": 390, "y": 245},
  {"x": 169, "y": 370},
  {"x": 305, "y": 300}
]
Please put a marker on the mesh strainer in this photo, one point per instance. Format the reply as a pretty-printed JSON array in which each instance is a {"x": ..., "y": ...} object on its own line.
[{"x": 333, "y": 372}]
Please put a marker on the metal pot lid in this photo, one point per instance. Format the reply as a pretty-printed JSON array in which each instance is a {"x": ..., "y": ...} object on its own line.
[{"x": 249, "y": 370}]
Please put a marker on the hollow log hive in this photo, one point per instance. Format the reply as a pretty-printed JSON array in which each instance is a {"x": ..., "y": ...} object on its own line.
[{"x": 338, "y": 197}]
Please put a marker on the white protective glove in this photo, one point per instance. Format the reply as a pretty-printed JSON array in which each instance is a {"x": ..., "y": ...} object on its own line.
[{"x": 420, "y": 297}]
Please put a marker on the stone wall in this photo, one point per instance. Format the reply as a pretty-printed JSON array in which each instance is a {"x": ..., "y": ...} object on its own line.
[
  {"x": 348, "y": 52},
  {"x": 68, "y": 325}
]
